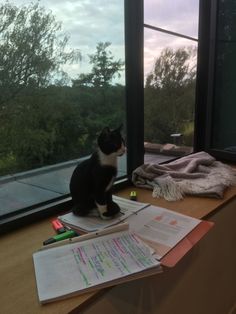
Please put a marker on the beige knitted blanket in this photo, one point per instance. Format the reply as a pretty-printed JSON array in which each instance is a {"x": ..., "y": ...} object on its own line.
[{"x": 196, "y": 174}]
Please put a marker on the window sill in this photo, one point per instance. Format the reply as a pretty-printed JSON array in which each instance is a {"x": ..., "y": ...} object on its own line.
[
  {"x": 28, "y": 196},
  {"x": 33, "y": 195}
]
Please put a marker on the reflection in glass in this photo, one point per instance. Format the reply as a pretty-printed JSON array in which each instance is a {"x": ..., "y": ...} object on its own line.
[
  {"x": 179, "y": 16},
  {"x": 224, "y": 109},
  {"x": 170, "y": 74}
]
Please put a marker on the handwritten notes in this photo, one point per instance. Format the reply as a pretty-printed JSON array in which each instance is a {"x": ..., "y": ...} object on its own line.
[{"x": 77, "y": 267}]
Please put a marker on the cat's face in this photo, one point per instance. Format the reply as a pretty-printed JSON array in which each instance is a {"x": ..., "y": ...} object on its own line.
[{"x": 111, "y": 142}]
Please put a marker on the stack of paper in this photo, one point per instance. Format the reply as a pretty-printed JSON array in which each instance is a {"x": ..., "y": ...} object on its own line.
[
  {"x": 80, "y": 267},
  {"x": 161, "y": 228},
  {"x": 111, "y": 255},
  {"x": 89, "y": 223}
]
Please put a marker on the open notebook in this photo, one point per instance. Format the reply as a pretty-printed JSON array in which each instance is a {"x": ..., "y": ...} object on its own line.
[
  {"x": 113, "y": 254},
  {"x": 159, "y": 227},
  {"x": 81, "y": 267}
]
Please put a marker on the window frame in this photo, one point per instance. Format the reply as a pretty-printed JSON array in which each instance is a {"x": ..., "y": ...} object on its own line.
[
  {"x": 134, "y": 12},
  {"x": 134, "y": 45},
  {"x": 205, "y": 83}
]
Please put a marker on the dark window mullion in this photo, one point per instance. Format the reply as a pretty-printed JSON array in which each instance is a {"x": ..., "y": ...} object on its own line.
[
  {"x": 211, "y": 75},
  {"x": 134, "y": 83},
  {"x": 202, "y": 80}
]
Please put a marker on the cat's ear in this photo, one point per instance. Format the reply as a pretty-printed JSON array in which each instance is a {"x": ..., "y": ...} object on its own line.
[
  {"x": 105, "y": 133},
  {"x": 103, "y": 136}
]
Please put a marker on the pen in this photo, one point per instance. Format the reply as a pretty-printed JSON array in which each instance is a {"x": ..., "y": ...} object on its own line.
[
  {"x": 59, "y": 237},
  {"x": 120, "y": 227}
]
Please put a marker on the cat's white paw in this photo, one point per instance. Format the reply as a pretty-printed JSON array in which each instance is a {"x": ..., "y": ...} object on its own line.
[
  {"x": 105, "y": 217},
  {"x": 102, "y": 209}
]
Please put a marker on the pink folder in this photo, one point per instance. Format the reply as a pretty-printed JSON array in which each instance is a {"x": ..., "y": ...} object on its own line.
[{"x": 175, "y": 255}]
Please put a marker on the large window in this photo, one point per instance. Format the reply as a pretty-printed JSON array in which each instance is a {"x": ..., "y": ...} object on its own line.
[
  {"x": 56, "y": 92},
  {"x": 62, "y": 79},
  {"x": 170, "y": 58}
]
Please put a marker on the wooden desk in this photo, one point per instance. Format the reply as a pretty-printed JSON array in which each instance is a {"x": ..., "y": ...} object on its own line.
[
  {"x": 197, "y": 207},
  {"x": 18, "y": 286}
]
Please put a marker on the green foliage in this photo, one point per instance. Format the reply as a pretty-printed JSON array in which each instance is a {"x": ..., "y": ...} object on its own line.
[
  {"x": 47, "y": 125},
  {"x": 54, "y": 124},
  {"x": 48, "y": 128},
  {"x": 172, "y": 69},
  {"x": 43, "y": 120},
  {"x": 8, "y": 164},
  {"x": 188, "y": 134},
  {"x": 32, "y": 48},
  {"x": 169, "y": 95},
  {"x": 98, "y": 108}
]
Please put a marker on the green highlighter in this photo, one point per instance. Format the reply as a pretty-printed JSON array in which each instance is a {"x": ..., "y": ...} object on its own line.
[{"x": 59, "y": 237}]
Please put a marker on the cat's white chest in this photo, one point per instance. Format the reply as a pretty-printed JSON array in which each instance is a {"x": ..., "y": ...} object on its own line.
[{"x": 108, "y": 160}]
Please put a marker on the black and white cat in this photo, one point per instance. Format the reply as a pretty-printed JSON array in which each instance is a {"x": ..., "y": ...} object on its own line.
[{"x": 92, "y": 180}]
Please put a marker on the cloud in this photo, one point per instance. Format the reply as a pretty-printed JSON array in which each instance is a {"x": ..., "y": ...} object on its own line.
[
  {"x": 180, "y": 16},
  {"x": 88, "y": 22}
]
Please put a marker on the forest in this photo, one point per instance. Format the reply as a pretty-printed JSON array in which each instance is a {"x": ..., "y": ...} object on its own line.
[{"x": 47, "y": 118}]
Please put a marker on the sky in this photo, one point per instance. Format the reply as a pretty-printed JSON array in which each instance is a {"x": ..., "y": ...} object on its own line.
[{"x": 88, "y": 22}]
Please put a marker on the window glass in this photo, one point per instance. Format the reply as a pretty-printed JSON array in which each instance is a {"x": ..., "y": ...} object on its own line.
[
  {"x": 62, "y": 79},
  {"x": 224, "y": 110},
  {"x": 169, "y": 96},
  {"x": 179, "y": 16}
]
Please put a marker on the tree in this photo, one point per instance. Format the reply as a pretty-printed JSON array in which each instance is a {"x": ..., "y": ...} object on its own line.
[
  {"x": 103, "y": 70},
  {"x": 169, "y": 94},
  {"x": 100, "y": 102},
  {"x": 32, "y": 48},
  {"x": 173, "y": 69},
  {"x": 47, "y": 129}
]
